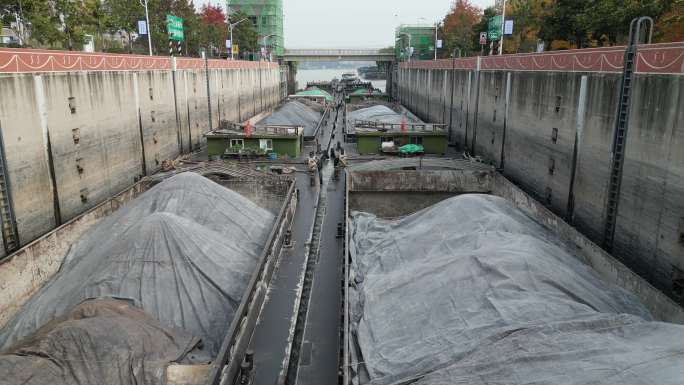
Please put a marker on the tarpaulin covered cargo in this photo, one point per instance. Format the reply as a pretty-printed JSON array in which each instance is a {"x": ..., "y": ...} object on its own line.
[
  {"x": 379, "y": 113},
  {"x": 183, "y": 251},
  {"x": 472, "y": 291},
  {"x": 293, "y": 113},
  {"x": 102, "y": 341}
]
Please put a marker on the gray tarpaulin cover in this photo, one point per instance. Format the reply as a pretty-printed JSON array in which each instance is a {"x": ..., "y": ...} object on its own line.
[
  {"x": 183, "y": 251},
  {"x": 472, "y": 291},
  {"x": 293, "y": 113},
  {"x": 379, "y": 113},
  {"x": 101, "y": 341}
]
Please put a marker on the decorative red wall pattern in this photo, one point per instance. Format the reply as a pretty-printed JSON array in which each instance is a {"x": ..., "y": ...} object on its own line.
[
  {"x": 31, "y": 60},
  {"x": 666, "y": 58}
]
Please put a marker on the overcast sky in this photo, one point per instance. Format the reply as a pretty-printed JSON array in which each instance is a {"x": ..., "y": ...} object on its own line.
[{"x": 354, "y": 23}]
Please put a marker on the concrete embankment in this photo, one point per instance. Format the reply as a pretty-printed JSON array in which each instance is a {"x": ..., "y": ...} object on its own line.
[
  {"x": 548, "y": 120},
  {"x": 79, "y": 128}
]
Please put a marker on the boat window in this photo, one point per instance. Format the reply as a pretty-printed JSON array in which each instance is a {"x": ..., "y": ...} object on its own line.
[{"x": 266, "y": 144}]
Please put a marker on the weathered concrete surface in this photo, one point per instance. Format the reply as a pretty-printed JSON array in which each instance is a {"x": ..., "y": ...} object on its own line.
[
  {"x": 452, "y": 181},
  {"x": 651, "y": 209},
  {"x": 106, "y": 129},
  {"x": 25, "y": 145},
  {"x": 394, "y": 204},
  {"x": 27, "y": 270},
  {"x": 542, "y": 129}
]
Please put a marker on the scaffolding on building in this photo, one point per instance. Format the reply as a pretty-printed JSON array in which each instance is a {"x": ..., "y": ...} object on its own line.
[
  {"x": 422, "y": 40},
  {"x": 267, "y": 17}
]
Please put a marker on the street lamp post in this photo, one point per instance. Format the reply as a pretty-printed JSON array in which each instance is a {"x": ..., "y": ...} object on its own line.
[
  {"x": 231, "y": 26},
  {"x": 147, "y": 20},
  {"x": 263, "y": 41},
  {"x": 436, "y": 24},
  {"x": 409, "y": 44},
  {"x": 503, "y": 23}
]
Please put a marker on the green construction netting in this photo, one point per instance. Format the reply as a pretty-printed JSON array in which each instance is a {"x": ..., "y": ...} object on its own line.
[
  {"x": 411, "y": 149},
  {"x": 316, "y": 92},
  {"x": 365, "y": 91}
]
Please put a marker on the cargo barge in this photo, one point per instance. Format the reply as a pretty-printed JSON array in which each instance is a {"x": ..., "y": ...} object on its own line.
[{"x": 387, "y": 197}]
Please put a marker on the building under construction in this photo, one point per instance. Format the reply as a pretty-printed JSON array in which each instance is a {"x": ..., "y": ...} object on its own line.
[
  {"x": 420, "y": 37},
  {"x": 267, "y": 17}
]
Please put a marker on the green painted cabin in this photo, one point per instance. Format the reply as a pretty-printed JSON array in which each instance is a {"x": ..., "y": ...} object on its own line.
[
  {"x": 432, "y": 142},
  {"x": 279, "y": 141}
]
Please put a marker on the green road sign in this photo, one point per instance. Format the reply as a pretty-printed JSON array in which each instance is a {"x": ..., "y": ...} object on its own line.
[
  {"x": 494, "y": 28},
  {"x": 174, "y": 25}
]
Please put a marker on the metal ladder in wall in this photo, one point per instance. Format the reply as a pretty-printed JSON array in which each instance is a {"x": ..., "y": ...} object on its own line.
[
  {"x": 621, "y": 125},
  {"x": 10, "y": 236}
]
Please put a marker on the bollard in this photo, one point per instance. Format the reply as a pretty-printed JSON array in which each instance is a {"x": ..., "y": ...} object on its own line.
[
  {"x": 288, "y": 239},
  {"x": 249, "y": 358},
  {"x": 245, "y": 374}
]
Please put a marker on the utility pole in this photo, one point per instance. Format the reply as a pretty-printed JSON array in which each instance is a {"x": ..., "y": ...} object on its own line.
[
  {"x": 20, "y": 25},
  {"x": 503, "y": 22},
  {"x": 436, "y": 24},
  {"x": 263, "y": 44},
  {"x": 409, "y": 44},
  {"x": 231, "y": 26},
  {"x": 149, "y": 30}
]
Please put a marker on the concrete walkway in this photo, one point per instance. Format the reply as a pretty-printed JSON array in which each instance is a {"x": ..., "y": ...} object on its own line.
[
  {"x": 319, "y": 355},
  {"x": 274, "y": 333}
]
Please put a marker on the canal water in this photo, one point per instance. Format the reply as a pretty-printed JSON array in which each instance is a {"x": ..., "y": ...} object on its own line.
[{"x": 304, "y": 76}]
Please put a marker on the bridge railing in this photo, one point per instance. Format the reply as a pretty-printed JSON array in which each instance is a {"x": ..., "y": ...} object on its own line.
[{"x": 337, "y": 52}]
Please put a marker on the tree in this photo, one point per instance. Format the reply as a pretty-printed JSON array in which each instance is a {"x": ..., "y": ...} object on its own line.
[
  {"x": 124, "y": 16},
  {"x": 562, "y": 23},
  {"x": 598, "y": 22},
  {"x": 70, "y": 17},
  {"x": 482, "y": 26},
  {"x": 670, "y": 27},
  {"x": 38, "y": 20},
  {"x": 527, "y": 16},
  {"x": 214, "y": 27},
  {"x": 457, "y": 27},
  {"x": 98, "y": 16},
  {"x": 245, "y": 33},
  {"x": 192, "y": 24}
]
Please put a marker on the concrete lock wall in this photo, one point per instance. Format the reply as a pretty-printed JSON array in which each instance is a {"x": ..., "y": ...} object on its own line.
[
  {"x": 74, "y": 138},
  {"x": 550, "y": 130}
]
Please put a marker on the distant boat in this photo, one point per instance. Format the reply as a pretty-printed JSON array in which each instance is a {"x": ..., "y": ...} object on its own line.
[
  {"x": 348, "y": 77},
  {"x": 371, "y": 73}
]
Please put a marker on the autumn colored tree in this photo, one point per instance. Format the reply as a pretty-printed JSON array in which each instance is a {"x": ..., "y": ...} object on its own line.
[
  {"x": 670, "y": 27},
  {"x": 213, "y": 15},
  {"x": 214, "y": 28},
  {"x": 457, "y": 27}
]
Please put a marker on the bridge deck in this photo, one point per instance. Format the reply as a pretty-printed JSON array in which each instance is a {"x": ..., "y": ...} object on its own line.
[{"x": 337, "y": 54}]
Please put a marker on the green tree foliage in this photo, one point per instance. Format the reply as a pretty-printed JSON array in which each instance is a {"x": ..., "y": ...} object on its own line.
[
  {"x": 123, "y": 18},
  {"x": 561, "y": 23},
  {"x": 482, "y": 26},
  {"x": 38, "y": 16},
  {"x": 585, "y": 23},
  {"x": 245, "y": 34}
]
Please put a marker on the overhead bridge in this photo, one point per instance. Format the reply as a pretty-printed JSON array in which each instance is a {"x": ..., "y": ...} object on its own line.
[{"x": 292, "y": 55}]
